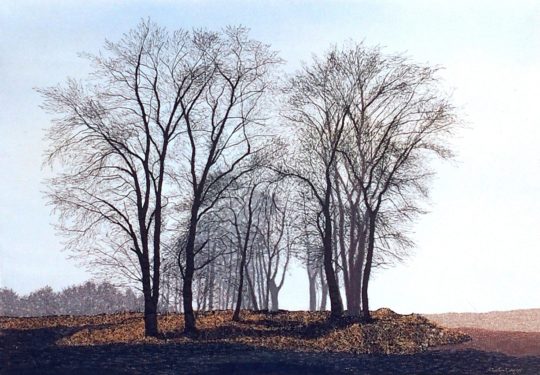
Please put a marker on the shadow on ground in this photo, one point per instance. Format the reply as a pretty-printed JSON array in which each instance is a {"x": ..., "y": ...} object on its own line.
[
  {"x": 35, "y": 352},
  {"x": 291, "y": 328}
]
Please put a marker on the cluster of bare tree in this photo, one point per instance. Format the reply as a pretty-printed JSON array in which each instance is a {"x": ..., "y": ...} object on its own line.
[
  {"x": 85, "y": 299},
  {"x": 190, "y": 167},
  {"x": 245, "y": 245},
  {"x": 366, "y": 126}
]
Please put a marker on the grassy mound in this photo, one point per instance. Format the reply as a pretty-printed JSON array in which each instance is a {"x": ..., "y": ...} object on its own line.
[{"x": 389, "y": 333}]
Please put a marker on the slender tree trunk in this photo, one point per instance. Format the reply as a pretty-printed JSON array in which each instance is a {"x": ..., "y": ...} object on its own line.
[
  {"x": 228, "y": 289},
  {"x": 219, "y": 290},
  {"x": 251, "y": 291},
  {"x": 175, "y": 295},
  {"x": 367, "y": 269},
  {"x": 324, "y": 291},
  {"x": 353, "y": 277},
  {"x": 312, "y": 292},
  {"x": 261, "y": 283},
  {"x": 324, "y": 297},
  {"x": 236, "y": 314},
  {"x": 336, "y": 305},
  {"x": 204, "y": 295},
  {"x": 156, "y": 275},
  {"x": 211, "y": 287},
  {"x": 166, "y": 299},
  {"x": 187, "y": 290}
]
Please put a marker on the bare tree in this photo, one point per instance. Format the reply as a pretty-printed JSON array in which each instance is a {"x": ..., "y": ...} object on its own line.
[
  {"x": 115, "y": 138},
  {"x": 171, "y": 282},
  {"x": 245, "y": 242},
  {"x": 278, "y": 236},
  {"x": 311, "y": 252},
  {"x": 319, "y": 121},
  {"x": 397, "y": 117},
  {"x": 366, "y": 124},
  {"x": 221, "y": 131},
  {"x": 350, "y": 236}
]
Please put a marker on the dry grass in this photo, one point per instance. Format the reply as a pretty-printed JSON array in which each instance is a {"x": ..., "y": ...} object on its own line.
[{"x": 294, "y": 330}]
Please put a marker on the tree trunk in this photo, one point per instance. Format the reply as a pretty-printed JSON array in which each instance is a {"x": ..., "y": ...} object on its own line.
[
  {"x": 150, "y": 319},
  {"x": 324, "y": 292},
  {"x": 312, "y": 292},
  {"x": 336, "y": 305},
  {"x": 203, "y": 296},
  {"x": 236, "y": 314},
  {"x": 353, "y": 297},
  {"x": 251, "y": 291},
  {"x": 356, "y": 283},
  {"x": 274, "y": 294},
  {"x": 228, "y": 289},
  {"x": 367, "y": 269},
  {"x": 150, "y": 309},
  {"x": 211, "y": 287},
  {"x": 187, "y": 290},
  {"x": 261, "y": 284},
  {"x": 176, "y": 294}
]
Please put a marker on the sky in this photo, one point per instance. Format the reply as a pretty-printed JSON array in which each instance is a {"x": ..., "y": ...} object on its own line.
[{"x": 478, "y": 247}]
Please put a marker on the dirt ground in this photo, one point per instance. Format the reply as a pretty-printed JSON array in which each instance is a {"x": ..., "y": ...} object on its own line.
[
  {"x": 388, "y": 333},
  {"x": 511, "y": 343},
  {"x": 515, "y": 333},
  {"x": 30, "y": 348},
  {"x": 525, "y": 320}
]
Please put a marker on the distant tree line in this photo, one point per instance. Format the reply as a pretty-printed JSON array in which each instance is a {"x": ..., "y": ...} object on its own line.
[
  {"x": 86, "y": 299},
  {"x": 190, "y": 166}
]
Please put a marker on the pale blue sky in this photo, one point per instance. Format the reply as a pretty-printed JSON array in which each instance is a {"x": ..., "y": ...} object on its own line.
[{"x": 478, "y": 249}]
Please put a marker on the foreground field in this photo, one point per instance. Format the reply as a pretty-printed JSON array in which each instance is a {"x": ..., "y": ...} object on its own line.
[{"x": 283, "y": 343}]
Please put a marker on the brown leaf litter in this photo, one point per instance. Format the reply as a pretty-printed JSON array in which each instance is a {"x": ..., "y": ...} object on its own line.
[{"x": 388, "y": 333}]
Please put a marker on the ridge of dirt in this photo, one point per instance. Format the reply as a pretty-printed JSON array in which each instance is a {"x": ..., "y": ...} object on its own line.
[{"x": 389, "y": 333}]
